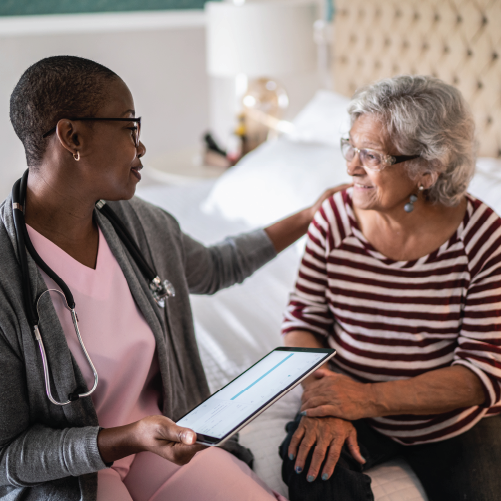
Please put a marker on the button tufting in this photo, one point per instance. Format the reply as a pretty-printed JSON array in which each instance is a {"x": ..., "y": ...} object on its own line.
[{"x": 455, "y": 40}]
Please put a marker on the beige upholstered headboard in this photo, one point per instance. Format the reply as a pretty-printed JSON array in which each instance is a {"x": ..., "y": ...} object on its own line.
[{"x": 458, "y": 41}]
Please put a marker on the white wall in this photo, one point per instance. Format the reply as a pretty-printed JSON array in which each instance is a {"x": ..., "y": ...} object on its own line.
[
  {"x": 164, "y": 66},
  {"x": 161, "y": 57}
]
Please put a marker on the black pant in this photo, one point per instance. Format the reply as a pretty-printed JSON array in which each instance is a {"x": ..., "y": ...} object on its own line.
[{"x": 466, "y": 467}]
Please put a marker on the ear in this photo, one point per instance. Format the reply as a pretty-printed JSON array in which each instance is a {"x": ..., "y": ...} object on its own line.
[
  {"x": 430, "y": 177},
  {"x": 68, "y": 134}
]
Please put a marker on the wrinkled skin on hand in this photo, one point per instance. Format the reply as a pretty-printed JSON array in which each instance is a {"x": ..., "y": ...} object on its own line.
[
  {"x": 331, "y": 394},
  {"x": 327, "y": 436}
]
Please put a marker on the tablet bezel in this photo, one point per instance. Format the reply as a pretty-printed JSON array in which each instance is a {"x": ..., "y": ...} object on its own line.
[{"x": 214, "y": 441}]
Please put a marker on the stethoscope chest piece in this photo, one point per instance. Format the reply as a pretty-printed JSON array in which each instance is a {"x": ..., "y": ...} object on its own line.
[{"x": 161, "y": 290}]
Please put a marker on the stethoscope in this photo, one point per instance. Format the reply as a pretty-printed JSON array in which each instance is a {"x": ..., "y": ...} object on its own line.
[{"x": 160, "y": 289}]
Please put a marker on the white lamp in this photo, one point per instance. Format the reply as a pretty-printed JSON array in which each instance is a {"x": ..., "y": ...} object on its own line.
[
  {"x": 257, "y": 39},
  {"x": 262, "y": 39}
]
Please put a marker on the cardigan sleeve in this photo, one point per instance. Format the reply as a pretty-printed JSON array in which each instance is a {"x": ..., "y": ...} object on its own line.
[
  {"x": 212, "y": 268},
  {"x": 32, "y": 453}
]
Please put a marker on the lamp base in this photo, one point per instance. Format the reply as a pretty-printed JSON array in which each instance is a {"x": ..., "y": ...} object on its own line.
[{"x": 264, "y": 99}]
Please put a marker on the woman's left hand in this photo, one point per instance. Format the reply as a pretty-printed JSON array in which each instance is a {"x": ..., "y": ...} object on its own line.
[{"x": 337, "y": 395}]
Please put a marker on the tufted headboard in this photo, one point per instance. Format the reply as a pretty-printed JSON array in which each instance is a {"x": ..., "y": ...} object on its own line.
[{"x": 458, "y": 41}]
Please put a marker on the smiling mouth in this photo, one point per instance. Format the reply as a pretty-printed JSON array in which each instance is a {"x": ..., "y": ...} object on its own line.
[{"x": 362, "y": 186}]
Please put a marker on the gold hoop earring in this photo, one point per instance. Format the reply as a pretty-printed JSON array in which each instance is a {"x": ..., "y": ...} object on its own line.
[{"x": 76, "y": 156}]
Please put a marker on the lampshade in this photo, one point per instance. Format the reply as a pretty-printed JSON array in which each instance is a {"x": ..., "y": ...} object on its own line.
[{"x": 263, "y": 38}]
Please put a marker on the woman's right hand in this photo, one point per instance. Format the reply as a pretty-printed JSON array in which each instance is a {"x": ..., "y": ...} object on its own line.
[
  {"x": 327, "y": 435},
  {"x": 157, "y": 434}
]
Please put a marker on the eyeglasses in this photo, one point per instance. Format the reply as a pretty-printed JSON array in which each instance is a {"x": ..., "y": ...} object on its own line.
[
  {"x": 370, "y": 158},
  {"x": 135, "y": 130}
]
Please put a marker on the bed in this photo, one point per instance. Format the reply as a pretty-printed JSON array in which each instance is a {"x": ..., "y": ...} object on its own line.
[{"x": 237, "y": 326}]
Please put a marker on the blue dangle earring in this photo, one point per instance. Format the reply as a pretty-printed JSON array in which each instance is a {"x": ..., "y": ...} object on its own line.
[{"x": 409, "y": 207}]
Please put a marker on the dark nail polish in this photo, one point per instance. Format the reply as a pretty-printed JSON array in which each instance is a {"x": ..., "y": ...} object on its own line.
[
  {"x": 291, "y": 456},
  {"x": 302, "y": 413},
  {"x": 298, "y": 469},
  {"x": 310, "y": 478},
  {"x": 325, "y": 476}
]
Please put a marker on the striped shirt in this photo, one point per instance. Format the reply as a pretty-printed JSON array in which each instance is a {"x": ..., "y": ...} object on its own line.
[{"x": 391, "y": 320}]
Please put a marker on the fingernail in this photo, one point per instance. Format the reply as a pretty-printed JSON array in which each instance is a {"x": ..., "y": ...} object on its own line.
[
  {"x": 325, "y": 476},
  {"x": 298, "y": 469},
  {"x": 365, "y": 460},
  {"x": 310, "y": 478},
  {"x": 291, "y": 456},
  {"x": 189, "y": 437},
  {"x": 302, "y": 413}
]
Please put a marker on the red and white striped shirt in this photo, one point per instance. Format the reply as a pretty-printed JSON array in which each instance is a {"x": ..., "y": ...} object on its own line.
[{"x": 393, "y": 320}]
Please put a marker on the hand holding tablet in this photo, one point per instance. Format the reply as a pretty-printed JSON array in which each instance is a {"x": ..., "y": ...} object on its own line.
[{"x": 243, "y": 399}]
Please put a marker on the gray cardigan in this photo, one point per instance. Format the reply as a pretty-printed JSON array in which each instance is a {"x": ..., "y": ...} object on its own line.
[{"x": 50, "y": 452}]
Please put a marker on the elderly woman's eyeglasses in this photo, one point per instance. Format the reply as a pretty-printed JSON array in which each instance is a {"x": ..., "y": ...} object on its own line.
[
  {"x": 371, "y": 159},
  {"x": 136, "y": 131}
]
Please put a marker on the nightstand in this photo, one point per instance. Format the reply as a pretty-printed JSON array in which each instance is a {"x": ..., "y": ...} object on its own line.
[{"x": 180, "y": 167}]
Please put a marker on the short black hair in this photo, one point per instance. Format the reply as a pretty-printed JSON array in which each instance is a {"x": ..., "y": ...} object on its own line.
[{"x": 54, "y": 88}]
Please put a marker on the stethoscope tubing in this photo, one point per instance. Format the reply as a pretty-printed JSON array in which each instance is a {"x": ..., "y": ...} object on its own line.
[
  {"x": 159, "y": 289},
  {"x": 72, "y": 396},
  {"x": 24, "y": 242}
]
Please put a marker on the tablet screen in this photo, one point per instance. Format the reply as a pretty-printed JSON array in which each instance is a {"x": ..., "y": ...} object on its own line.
[{"x": 277, "y": 372}]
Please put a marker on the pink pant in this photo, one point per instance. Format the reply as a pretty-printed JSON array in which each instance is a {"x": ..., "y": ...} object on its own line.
[{"x": 212, "y": 475}]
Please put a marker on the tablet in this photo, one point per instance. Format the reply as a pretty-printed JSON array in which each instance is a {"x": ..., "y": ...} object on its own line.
[{"x": 243, "y": 399}]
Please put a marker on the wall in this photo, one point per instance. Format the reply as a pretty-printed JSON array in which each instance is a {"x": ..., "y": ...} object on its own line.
[
  {"x": 164, "y": 66},
  {"x": 161, "y": 57}
]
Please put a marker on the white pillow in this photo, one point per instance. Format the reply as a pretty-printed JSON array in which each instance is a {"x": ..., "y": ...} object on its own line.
[
  {"x": 284, "y": 176},
  {"x": 323, "y": 120},
  {"x": 277, "y": 179},
  {"x": 486, "y": 183}
]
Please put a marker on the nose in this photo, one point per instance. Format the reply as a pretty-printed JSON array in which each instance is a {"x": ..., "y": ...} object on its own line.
[
  {"x": 141, "y": 150},
  {"x": 354, "y": 166}
]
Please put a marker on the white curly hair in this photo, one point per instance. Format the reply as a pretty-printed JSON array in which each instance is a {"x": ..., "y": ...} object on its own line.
[{"x": 425, "y": 116}]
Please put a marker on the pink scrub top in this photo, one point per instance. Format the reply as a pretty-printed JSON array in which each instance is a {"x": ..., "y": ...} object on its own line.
[{"x": 114, "y": 331}]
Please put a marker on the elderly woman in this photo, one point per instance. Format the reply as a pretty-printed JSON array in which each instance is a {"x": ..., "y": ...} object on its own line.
[
  {"x": 402, "y": 276},
  {"x": 61, "y": 436}
]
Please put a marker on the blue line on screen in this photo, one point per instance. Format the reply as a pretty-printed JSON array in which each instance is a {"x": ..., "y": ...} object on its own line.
[{"x": 264, "y": 375}]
